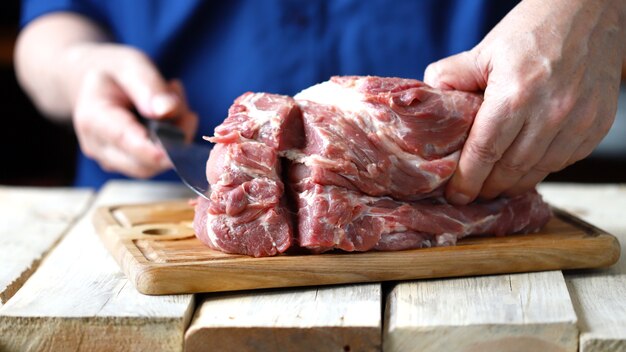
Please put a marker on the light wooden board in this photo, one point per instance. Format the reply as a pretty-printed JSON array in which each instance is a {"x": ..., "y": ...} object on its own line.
[
  {"x": 599, "y": 295},
  {"x": 32, "y": 220},
  {"x": 519, "y": 312},
  {"x": 79, "y": 300},
  {"x": 338, "y": 318},
  {"x": 155, "y": 246}
]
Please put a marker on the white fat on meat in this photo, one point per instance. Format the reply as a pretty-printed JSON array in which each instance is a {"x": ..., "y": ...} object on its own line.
[
  {"x": 352, "y": 104},
  {"x": 261, "y": 117},
  {"x": 212, "y": 236},
  {"x": 330, "y": 93}
]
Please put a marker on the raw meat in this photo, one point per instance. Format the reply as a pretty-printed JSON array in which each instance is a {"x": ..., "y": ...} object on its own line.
[
  {"x": 247, "y": 211},
  {"x": 331, "y": 217},
  {"x": 367, "y": 161},
  {"x": 384, "y": 136}
]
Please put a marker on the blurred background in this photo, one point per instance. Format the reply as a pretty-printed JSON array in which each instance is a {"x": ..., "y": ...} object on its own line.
[
  {"x": 37, "y": 152},
  {"x": 33, "y": 150}
]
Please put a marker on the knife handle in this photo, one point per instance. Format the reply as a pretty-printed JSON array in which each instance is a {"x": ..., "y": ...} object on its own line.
[
  {"x": 158, "y": 128},
  {"x": 164, "y": 128}
]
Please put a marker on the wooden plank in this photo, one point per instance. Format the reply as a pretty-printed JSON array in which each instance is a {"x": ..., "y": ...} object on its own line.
[
  {"x": 155, "y": 246},
  {"x": 598, "y": 295},
  {"x": 79, "y": 300},
  {"x": 520, "y": 312},
  {"x": 341, "y": 318},
  {"x": 33, "y": 220}
]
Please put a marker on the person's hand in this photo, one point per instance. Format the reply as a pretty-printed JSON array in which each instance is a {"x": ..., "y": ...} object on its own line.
[
  {"x": 108, "y": 81},
  {"x": 550, "y": 72}
]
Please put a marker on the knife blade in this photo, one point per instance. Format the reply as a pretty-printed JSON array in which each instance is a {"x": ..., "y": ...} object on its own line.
[{"x": 188, "y": 158}]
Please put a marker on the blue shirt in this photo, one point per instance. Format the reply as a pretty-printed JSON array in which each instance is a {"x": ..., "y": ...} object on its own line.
[{"x": 220, "y": 49}]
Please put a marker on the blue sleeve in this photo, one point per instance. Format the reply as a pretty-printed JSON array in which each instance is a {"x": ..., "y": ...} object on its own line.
[{"x": 31, "y": 9}]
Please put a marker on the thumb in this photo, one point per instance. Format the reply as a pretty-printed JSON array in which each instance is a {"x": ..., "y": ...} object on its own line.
[
  {"x": 460, "y": 72},
  {"x": 149, "y": 92}
]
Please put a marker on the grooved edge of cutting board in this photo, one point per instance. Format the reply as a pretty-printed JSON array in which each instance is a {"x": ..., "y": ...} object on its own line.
[{"x": 155, "y": 247}]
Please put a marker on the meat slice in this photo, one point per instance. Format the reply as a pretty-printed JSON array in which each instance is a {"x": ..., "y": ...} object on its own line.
[
  {"x": 331, "y": 217},
  {"x": 246, "y": 212},
  {"x": 383, "y": 136}
]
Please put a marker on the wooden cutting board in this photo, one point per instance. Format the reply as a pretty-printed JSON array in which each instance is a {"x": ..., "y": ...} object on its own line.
[{"x": 155, "y": 246}]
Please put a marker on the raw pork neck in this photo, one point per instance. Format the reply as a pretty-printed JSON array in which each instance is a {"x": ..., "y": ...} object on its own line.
[{"x": 367, "y": 160}]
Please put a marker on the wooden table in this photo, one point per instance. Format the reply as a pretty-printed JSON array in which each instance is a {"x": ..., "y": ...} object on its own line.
[{"x": 60, "y": 290}]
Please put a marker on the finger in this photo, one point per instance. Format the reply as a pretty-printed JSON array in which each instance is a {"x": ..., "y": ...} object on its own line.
[
  {"x": 110, "y": 134},
  {"x": 529, "y": 147},
  {"x": 112, "y": 158},
  {"x": 583, "y": 151},
  {"x": 460, "y": 72},
  {"x": 116, "y": 160},
  {"x": 147, "y": 89},
  {"x": 526, "y": 183},
  {"x": 121, "y": 130},
  {"x": 583, "y": 126},
  {"x": 601, "y": 127},
  {"x": 555, "y": 158},
  {"x": 100, "y": 116},
  {"x": 494, "y": 130}
]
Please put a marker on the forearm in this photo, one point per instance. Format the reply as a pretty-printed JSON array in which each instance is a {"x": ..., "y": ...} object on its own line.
[{"x": 46, "y": 62}]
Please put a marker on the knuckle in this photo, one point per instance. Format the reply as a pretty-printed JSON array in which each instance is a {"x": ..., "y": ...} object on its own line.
[
  {"x": 516, "y": 96},
  {"x": 539, "y": 74},
  {"x": 563, "y": 105},
  {"x": 513, "y": 165},
  {"x": 549, "y": 167},
  {"x": 483, "y": 152},
  {"x": 557, "y": 116}
]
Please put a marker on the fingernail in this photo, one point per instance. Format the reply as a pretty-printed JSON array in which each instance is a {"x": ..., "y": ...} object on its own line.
[
  {"x": 164, "y": 103},
  {"x": 459, "y": 199}
]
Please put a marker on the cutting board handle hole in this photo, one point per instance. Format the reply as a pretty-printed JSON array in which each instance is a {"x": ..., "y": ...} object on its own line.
[{"x": 157, "y": 231}]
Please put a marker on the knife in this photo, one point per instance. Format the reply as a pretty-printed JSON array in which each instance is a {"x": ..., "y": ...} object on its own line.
[{"x": 189, "y": 159}]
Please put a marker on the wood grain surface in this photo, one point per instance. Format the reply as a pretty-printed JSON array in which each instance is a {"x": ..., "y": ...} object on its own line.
[
  {"x": 518, "y": 312},
  {"x": 333, "y": 318},
  {"x": 79, "y": 300},
  {"x": 155, "y": 246},
  {"x": 33, "y": 220},
  {"x": 599, "y": 296}
]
